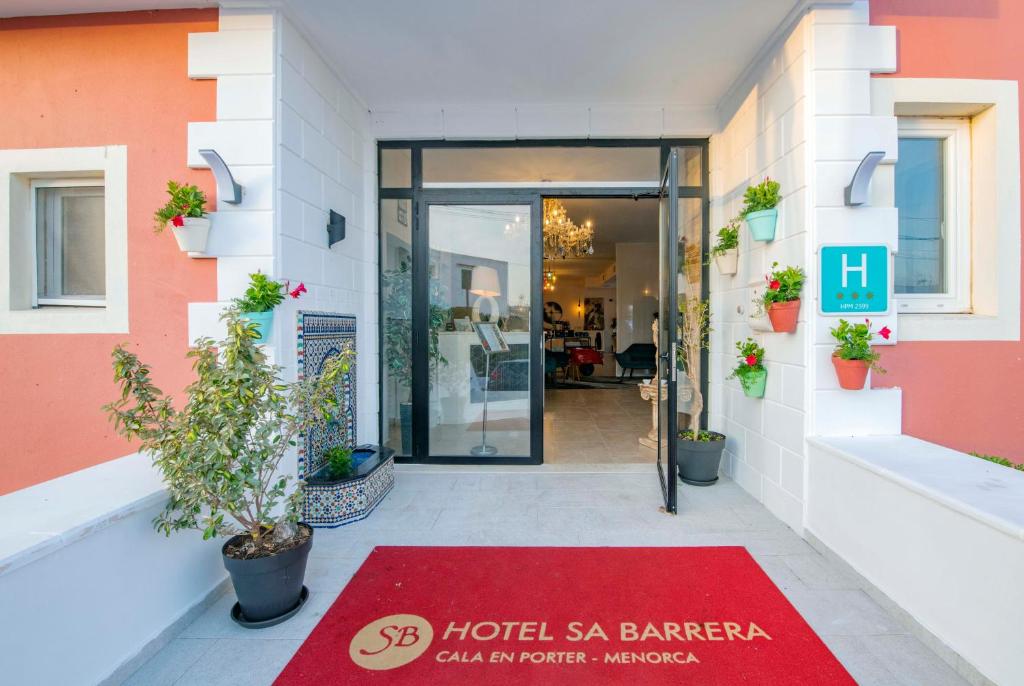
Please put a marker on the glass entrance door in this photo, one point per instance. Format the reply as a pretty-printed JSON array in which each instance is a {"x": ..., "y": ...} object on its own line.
[
  {"x": 479, "y": 333},
  {"x": 668, "y": 325}
]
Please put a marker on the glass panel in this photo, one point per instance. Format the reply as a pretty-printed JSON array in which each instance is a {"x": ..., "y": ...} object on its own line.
[
  {"x": 396, "y": 314},
  {"x": 530, "y": 166},
  {"x": 689, "y": 281},
  {"x": 690, "y": 167},
  {"x": 395, "y": 168},
  {"x": 479, "y": 273},
  {"x": 82, "y": 244},
  {"x": 920, "y": 263}
]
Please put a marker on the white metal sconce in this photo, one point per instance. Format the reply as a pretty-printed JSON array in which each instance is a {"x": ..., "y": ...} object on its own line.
[
  {"x": 857, "y": 191},
  {"x": 335, "y": 228},
  {"x": 228, "y": 189}
]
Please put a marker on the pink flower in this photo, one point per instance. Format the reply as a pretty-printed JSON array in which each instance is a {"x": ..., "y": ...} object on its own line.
[
  {"x": 178, "y": 220},
  {"x": 300, "y": 289},
  {"x": 885, "y": 332},
  {"x": 751, "y": 360}
]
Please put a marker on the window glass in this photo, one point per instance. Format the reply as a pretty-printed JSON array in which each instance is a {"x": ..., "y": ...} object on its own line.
[
  {"x": 396, "y": 324},
  {"x": 395, "y": 168},
  {"x": 531, "y": 166},
  {"x": 920, "y": 180},
  {"x": 70, "y": 244}
]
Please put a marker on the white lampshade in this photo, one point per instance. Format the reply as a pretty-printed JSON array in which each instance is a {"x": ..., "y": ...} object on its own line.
[{"x": 484, "y": 282}]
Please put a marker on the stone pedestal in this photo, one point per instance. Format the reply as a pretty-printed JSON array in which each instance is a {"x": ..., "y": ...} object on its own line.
[{"x": 649, "y": 391}]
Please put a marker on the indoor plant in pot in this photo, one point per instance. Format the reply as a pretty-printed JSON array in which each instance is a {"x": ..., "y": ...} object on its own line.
[
  {"x": 781, "y": 297},
  {"x": 760, "y": 209},
  {"x": 258, "y": 303},
  {"x": 853, "y": 355},
  {"x": 184, "y": 212},
  {"x": 698, "y": 451},
  {"x": 750, "y": 368},
  {"x": 220, "y": 456},
  {"x": 727, "y": 251}
]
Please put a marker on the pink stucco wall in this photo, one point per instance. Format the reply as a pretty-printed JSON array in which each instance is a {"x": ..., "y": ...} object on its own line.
[
  {"x": 969, "y": 396},
  {"x": 90, "y": 80}
]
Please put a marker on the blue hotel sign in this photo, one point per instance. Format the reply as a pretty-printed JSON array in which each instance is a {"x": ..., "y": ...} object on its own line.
[{"x": 855, "y": 279}]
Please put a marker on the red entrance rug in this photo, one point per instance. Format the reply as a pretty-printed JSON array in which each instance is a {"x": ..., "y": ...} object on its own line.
[{"x": 515, "y": 616}]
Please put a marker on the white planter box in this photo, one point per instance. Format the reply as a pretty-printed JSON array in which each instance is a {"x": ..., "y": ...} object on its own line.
[
  {"x": 728, "y": 261},
  {"x": 193, "y": 235}
]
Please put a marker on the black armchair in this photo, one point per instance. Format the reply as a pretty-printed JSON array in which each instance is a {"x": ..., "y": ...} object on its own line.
[{"x": 636, "y": 356}]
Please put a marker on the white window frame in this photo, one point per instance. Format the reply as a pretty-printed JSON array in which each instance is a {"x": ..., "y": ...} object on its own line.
[
  {"x": 63, "y": 301},
  {"x": 955, "y": 132},
  {"x": 20, "y": 171}
]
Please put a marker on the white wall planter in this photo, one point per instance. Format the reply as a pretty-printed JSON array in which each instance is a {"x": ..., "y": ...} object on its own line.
[
  {"x": 728, "y": 262},
  {"x": 192, "y": 237}
]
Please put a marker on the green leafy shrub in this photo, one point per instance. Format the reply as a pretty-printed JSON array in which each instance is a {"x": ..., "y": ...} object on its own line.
[
  {"x": 702, "y": 436},
  {"x": 728, "y": 238},
  {"x": 339, "y": 463},
  {"x": 750, "y": 360},
  {"x": 694, "y": 332},
  {"x": 185, "y": 201},
  {"x": 262, "y": 295},
  {"x": 763, "y": 196},
  {"x": 1019, "y": 466},
  {"x": 220, "y": 453},
  {"x": 853, "y": 342},
  {"x": 783, "y": 285}
]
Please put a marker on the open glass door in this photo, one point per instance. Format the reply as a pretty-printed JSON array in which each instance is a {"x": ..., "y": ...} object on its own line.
[{"x": 668, "y": 326}]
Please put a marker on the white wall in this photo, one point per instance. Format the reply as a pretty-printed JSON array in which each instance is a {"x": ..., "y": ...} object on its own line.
[{"x": 326, "y": 159}]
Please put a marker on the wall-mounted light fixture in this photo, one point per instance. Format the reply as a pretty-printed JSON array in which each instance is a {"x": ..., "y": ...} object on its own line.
[
  {"x": 335, "y": 228},
  {"x": 228, "y": 189},
  {"x": 857, "y": 191}
]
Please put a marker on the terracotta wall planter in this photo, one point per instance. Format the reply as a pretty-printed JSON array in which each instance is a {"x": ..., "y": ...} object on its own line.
[
  {"x": 784, "y": 315},
  {"x": 852, "y": 374}
]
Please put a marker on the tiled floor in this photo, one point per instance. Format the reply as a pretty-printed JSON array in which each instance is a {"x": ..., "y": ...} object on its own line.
[
  {"x": 563, "y": 506},
  {"x": 596, "y": 426}
]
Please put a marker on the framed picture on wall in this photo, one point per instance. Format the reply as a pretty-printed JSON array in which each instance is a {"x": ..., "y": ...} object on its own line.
[
  {"x": 593, "y": 314},
  {"x": 403, "y": 212}
]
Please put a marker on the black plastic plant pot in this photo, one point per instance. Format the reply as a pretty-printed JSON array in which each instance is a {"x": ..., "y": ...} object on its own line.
[
  {"x": 269, "y": 589},
  {"x": 698, "y": 461}
]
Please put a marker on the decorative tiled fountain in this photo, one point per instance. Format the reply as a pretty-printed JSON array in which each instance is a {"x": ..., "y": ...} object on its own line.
[{"x": 321, "y": 336}]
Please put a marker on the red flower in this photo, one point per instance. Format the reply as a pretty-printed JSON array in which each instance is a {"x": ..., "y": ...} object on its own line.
[
  {"x": 751, "y": 360},
  {"x": 774, "y": 285},
  {"x": 885, "y": 332},
  {"x": 301, "y": 288},
  {"x": 178, "y": 220}
]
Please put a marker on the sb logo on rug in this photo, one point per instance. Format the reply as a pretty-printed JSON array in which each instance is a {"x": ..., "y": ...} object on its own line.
[{"x": 391, "y": 642}]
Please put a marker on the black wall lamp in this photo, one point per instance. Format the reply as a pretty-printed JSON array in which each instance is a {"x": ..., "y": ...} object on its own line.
[
  {"x": 335, "y": 229},
  {"x": 228, "y": 189},
  {"x": 857, "y": 192}
]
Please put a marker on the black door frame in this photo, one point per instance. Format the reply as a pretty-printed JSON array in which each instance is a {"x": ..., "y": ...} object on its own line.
[{"x": 420, "y": 197}]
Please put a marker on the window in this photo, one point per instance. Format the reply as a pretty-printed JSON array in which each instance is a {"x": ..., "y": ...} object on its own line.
[
  {"x": 70, "y": 260},
  {"x": 933, "y": 186}
]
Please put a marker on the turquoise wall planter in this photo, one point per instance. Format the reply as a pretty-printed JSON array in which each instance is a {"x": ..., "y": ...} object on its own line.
[
  {"x": 753, "y": 384},
  {"x": 762, "y": 224},
  {"x": 264, "y": 322}
]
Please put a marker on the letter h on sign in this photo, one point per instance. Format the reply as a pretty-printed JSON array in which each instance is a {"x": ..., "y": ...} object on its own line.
[{"x": 854, "y": 279}]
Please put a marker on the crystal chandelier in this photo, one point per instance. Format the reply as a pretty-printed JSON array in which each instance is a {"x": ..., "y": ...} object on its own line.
[{"x": 563, "y": 238}]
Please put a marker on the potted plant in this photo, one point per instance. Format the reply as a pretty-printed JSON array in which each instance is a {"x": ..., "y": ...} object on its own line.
[
  {"x": 726, "y": 251},
  {"x": 698, "y": 451},
  {"x": 396, "y": 308},
  {"x": 258, "y": 303},
  {"x": 184, "y": 212},
  {"x": 750, "y": 368},
  {"x": 760, "y": 209},
  {"x": 853, "y": 355},
  {"x": 220, "y": 456},
  {"x": 338, "y": 464},
  {"x": 781, "y": 297}
]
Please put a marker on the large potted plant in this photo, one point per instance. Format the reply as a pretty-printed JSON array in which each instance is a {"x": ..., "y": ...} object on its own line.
[
  {"x": 184, "y": 212},
  {"x": 258, "y": 303},
  {"x": 726, "y": 252},
  {"x": 781, "y": 297},
  {"x": 760, "y": 209},
  {"x": 698, "y": 451},
  {"x": 220, "y": 457},
  {"x": 396, "y": 308},
  {"x": 750, "y": 369},
  {"x": 853, "y": 355}
]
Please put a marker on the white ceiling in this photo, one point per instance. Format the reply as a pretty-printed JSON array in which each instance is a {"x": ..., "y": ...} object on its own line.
[{"x": 402, "y": 53}]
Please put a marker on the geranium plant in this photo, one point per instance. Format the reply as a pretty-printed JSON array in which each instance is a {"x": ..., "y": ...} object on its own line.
[
  {"x": 763, "y": 196},
  {"x": 186, "y": 201},
  {"x": 263, "y": 294},
  {"x": 853, "y": 355},
  {"x": 750, "y": 360},
  {"x": 220, "y": 454},
  {"x": 728, "y": 239},
  {"x": 783, "y": 285}
]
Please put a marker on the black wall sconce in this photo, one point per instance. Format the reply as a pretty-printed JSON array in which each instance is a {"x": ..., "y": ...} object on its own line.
[
  {"x": 857, "y": 191},
  {"x": 228, "y": 189},
  {"x": 335, "y": 229}
]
